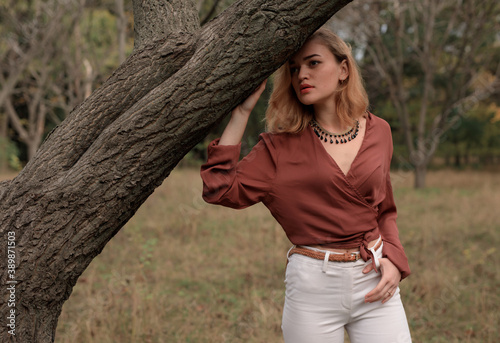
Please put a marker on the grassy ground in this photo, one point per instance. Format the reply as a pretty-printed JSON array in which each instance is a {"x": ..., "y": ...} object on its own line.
[{"x": 185, "y": 271}]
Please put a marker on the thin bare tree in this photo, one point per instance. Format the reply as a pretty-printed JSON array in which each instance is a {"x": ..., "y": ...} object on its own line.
[
  {"x": 28, "y": 64},
  {"x": 434, "y": 59},
  {"x": 121, "y": 26}
]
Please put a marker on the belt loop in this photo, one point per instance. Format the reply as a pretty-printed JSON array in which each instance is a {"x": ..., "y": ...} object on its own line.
[
  {"x": 325, "y": 261},
  {"x": 375, "y": 258},
  {"x": 288, "y": 254}
]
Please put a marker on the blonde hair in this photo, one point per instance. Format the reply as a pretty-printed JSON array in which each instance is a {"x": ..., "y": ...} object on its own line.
[{"x": 286, "y": 113}]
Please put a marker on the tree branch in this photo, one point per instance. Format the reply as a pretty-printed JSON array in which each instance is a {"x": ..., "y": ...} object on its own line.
[
  {"x": 141, "y": 72},
  {"x": 155, "y": 20},
  {"x": 15, "y": 120}
]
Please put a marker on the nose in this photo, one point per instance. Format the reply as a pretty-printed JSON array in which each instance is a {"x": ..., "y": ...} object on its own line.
[{"x": 303, "y": 74}]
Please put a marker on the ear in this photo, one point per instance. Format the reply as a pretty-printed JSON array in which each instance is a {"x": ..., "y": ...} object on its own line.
[{"x": 344, "y": 70}]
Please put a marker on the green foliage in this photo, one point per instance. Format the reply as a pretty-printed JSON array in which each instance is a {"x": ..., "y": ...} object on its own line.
[
  {"x": 9, "y": 155},
  {"x": 475, "y": 139}
]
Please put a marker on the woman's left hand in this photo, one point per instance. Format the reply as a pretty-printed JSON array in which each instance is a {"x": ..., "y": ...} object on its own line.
[{"x": 387, "y": 285}]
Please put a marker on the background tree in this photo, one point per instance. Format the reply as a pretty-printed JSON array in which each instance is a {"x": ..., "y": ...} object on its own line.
[
  {"x": 101, "y": 163},
  {"x": 476, "y": 141},
  {"x": 29, "y": 35},
  {"x": 53, "y": 56},
  {"x": 436, "y": 60},
  {"x": 121, "y": 25}
]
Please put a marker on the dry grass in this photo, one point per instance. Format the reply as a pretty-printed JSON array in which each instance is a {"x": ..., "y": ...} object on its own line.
[
  {"x": 451, "y": 232},
  {"x": 182, "y": 271},
  {"x": 185, "y": 271}
]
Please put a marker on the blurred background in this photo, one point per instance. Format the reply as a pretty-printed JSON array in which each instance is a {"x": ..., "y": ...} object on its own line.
[{"x": 185, "y": 271}]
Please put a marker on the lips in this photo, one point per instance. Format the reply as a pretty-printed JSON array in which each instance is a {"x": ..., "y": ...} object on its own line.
[{"x": 305, "y": 88}]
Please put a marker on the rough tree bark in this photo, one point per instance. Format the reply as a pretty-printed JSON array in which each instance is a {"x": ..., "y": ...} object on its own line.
[{"x": 99, "y": 165}]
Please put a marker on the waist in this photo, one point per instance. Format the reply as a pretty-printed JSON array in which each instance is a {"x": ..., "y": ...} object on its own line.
[{"x": 371, "y": 244}]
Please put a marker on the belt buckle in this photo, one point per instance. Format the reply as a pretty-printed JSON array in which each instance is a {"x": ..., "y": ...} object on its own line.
[{"x": 348, "y": 256}]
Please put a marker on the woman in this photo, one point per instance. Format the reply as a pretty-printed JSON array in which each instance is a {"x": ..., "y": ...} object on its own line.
[{"x": 323, "y": 172}]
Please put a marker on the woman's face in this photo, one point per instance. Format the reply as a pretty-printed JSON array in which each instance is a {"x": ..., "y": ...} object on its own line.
[{"x": 316, "y": 73}]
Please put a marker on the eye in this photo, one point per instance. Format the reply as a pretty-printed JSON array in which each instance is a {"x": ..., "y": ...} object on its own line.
[
  {"x": 313, "y": 63},
  {"x": 293, "y": 70}
]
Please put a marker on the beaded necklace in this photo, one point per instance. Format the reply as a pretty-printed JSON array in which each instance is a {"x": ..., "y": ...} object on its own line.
[{"x": 339, "y": 138}]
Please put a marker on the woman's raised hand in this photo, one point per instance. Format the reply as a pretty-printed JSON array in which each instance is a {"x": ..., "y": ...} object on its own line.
[
  {"x": 239, "y": 118},
  {"x": 246, "y": 107}
]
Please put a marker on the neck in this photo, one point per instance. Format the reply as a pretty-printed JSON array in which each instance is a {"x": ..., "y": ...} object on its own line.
[{"x": 326, "y": 116}]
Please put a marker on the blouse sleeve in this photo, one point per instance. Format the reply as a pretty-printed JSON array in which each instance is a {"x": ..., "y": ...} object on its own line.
[
  {"x": 393, "y": 249},
  {"x": 240, "y": 184}
]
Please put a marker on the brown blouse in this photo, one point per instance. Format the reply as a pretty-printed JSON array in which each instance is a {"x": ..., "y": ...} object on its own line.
[{"x": 308, "y": 194}]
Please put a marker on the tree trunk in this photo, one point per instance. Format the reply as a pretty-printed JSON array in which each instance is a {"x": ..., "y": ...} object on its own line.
[
  {"x": 457, "y": 160},
  {"x": 121, "y": 28},
  {"x": 99, "y": 165},
  {"x": 4, "y": 141},
  {"x": 420, "y": 173},
  {"x": 4, "y": 123}
]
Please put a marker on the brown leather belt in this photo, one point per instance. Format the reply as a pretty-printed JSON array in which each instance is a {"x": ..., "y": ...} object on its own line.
[{"x": 334, "y": 257}]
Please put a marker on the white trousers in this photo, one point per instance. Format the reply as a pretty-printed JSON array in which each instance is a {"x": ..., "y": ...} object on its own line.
[{"x": 324, "y": 298}]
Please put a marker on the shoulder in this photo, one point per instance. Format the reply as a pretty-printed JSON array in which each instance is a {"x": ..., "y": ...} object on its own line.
[
  {"x": 281, "y": 140},
  {"x": 381, "y": 132},
  {"x": 281, "y": 144},
  {"x": 380, "y": 128},
  {"x": 379, "y": 123}
]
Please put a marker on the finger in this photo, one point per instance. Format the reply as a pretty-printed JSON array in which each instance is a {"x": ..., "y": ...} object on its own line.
[
  {"x": 258, "y": 91},
  {"x": 373, "y": 298},
  {"x": 262, "y": 86},
  {"x": 388, "y": 295},
  {"x": 368, "y": 268},
  {"x": 251, "y": 101},
  {"x": 373, "y": 295},
  {"x": 385, "y": 294},
  {"x": 378, "y": 292},
  {"x": 379, "y": 295}
]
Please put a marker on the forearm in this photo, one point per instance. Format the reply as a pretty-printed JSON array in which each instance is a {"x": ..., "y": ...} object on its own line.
[{"x": 233, "y": 133}]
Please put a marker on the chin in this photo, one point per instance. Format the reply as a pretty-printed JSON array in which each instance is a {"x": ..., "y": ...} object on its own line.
[{"x": 306, "y": 101}]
